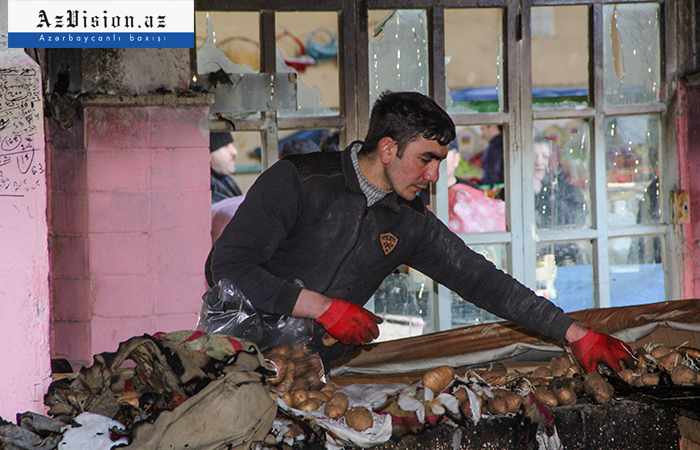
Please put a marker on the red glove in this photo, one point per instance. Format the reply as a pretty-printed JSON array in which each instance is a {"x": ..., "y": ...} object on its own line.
[
  {"x": 349, "y": 323},
  {"x": 594, "y": 348}
]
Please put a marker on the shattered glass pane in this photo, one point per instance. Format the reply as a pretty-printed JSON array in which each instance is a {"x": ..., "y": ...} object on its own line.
[
  {"x": 307, "y": 44},
  {"x": 229, "y": 41},
  {"x": 631, "y": 53},
  {"x": 560, "y": 39},
  {"x": 466, "y": 313},
  {"x": 474, "y": 60},
  {"x": 632, "y": 161},
  {"x": 398, "y": 51},
  {"x": 636, "y": 270},
  {"x": 564, "y": 274}
]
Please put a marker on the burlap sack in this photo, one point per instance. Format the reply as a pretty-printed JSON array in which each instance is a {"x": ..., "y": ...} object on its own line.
[{"x": 233, "y": 411}]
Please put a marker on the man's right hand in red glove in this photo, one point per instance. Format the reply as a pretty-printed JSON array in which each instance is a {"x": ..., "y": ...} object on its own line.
[
  {"x": 595, "y": 348},
  {"x": 349, "y": 323},
  {"x": 345, "y": 321}
]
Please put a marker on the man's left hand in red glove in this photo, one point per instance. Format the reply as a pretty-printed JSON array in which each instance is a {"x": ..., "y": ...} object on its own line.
[{"x": 592, "y": 348}]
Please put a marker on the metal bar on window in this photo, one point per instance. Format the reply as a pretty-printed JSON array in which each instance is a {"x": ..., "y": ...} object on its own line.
[
  {"x": 474, "y": 3},
  {"x": 486, "y": 238},
  {"x": 601, "y": 274},
  {"x": 467, "y": 119},
  {"x": 293, "y": 123},
  {"x": 241, "y": 125},
  {"x": 362, "y": 91},
  {"x": 563, "y": 114},
  {"x": 268, "y": 64},
  {"x": 442, "y": 308},
  {"x": 637, "y": 230},
  {"x": 526, "y": 187},
  {"x": 513, "y": 150},
  {"x": 347, "y": 62},
  {"x": 581, "y": 234},
  {"x": 630, "y": 110},
  {"x": 270, "y": 5},
  {"x": 561, "y": 2},
  {"x": 427, "y": 4}
]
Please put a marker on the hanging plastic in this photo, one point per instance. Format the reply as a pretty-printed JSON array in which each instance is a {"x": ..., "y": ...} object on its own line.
[{"x": 226, "y": 310}]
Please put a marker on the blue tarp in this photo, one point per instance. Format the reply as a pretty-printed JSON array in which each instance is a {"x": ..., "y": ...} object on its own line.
[{"x": 491, "y": 93}]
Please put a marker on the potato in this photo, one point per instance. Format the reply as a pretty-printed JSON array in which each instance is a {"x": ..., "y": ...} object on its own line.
[
  {"x": 560, "y": 365},
  {"x": 320, "y": 395},
  {"x": 669, "y": 361},
  {"x": 438, "y": 379},
  {"x": 497, "y": 406},
  {"x": 299, "y": 396},
  {"x": 649, "y": 379},
  {"x": 542, "y": 372},
  {"x": 565, "y": 396},
  {"x": 683, "y": 375},
  {"x": 281, "y": 350},
  {"x": 660, "y": 351},
  {"x": 546, "y": 396},
  {"x": 286, "y": 384},
  {"x": 598, "y": 388},
  {"x": 627, "y": 375},
  {"x": 309, "y": 405},
  {"x": 333, "y": 411},
  {"x": 359, "y": 418},
  {"x": 513, "y": 401},
  {"x": 287, "y": 399},
  {"x": 341, "y": 400},
  {"x": 328, "y": 340}
]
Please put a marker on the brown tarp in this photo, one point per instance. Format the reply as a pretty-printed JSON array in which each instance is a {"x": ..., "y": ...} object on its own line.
[{"x": 417, "y": 352}]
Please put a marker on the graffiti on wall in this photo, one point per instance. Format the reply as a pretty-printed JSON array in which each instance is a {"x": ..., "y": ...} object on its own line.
[{"x": 21, "y": 167}]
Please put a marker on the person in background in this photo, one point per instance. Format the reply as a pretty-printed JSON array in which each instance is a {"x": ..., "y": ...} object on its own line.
[
  {"x": 492, "y": 159},
  {"x": 222, "y": 158}
]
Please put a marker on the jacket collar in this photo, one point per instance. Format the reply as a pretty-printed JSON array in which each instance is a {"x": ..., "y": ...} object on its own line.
[{"x": 391, "y": 200}]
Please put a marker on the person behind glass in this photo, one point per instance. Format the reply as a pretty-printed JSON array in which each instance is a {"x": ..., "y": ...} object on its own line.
[
  {"x": 318, "y": 233},
  {"x": 492, "y": 159},
  {"x": 222, "y": 158},
  {"x": 557, "y": 201}
]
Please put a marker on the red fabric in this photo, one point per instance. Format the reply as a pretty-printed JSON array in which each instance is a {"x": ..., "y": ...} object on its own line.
[
  {"x": 235, "y": 344},
  {"x": 349, "y": 323},
  {"x": 471, "y": 211},
  {"x": 595, "y": 348}
]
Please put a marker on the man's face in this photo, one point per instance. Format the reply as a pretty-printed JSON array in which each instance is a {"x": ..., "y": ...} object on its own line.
[
  {"x": 223, "y": 159},
  {"x": 543, "y": 152},
  {"x": 416, "y": 169}
]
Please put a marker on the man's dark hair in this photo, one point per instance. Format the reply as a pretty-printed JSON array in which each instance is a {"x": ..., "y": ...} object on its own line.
[{"x": 404, "y": 116}]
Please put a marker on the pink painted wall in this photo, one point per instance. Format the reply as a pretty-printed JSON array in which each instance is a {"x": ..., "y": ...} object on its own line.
[
  {"x": 130, "y": 226},
  {"x": 690, "y": 165},
  {"x": 24, "y": 258}
]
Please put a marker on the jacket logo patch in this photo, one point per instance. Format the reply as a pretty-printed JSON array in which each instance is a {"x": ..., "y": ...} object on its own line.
[{"x": 388, "y": 242}]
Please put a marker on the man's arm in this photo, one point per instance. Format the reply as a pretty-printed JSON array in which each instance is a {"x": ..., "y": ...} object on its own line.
[
  {"x": 264, "y": 219},
  {"x": 443, "y": 256}
]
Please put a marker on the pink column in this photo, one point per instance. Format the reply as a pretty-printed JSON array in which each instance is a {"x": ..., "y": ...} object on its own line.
[
  {"x": 138, "y": 226},
  {"x": 24, "y": 258},
  {"x": 690, "y": 166}
]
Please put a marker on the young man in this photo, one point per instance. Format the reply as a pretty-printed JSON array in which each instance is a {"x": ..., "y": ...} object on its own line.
[{"x": 318, "y": 233}]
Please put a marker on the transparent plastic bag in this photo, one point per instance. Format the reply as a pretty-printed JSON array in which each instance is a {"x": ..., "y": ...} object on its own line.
[{"x": 226, "y": 310}]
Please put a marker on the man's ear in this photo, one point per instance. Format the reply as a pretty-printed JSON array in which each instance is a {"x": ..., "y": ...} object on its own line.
[{"x": 387, "y": 148}]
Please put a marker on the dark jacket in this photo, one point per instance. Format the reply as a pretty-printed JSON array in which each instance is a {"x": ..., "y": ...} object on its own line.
[
  {"x": 223, "y": 187},
  {"x": 492, "y": 161},
  {"x": 305, "y": 222}
]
